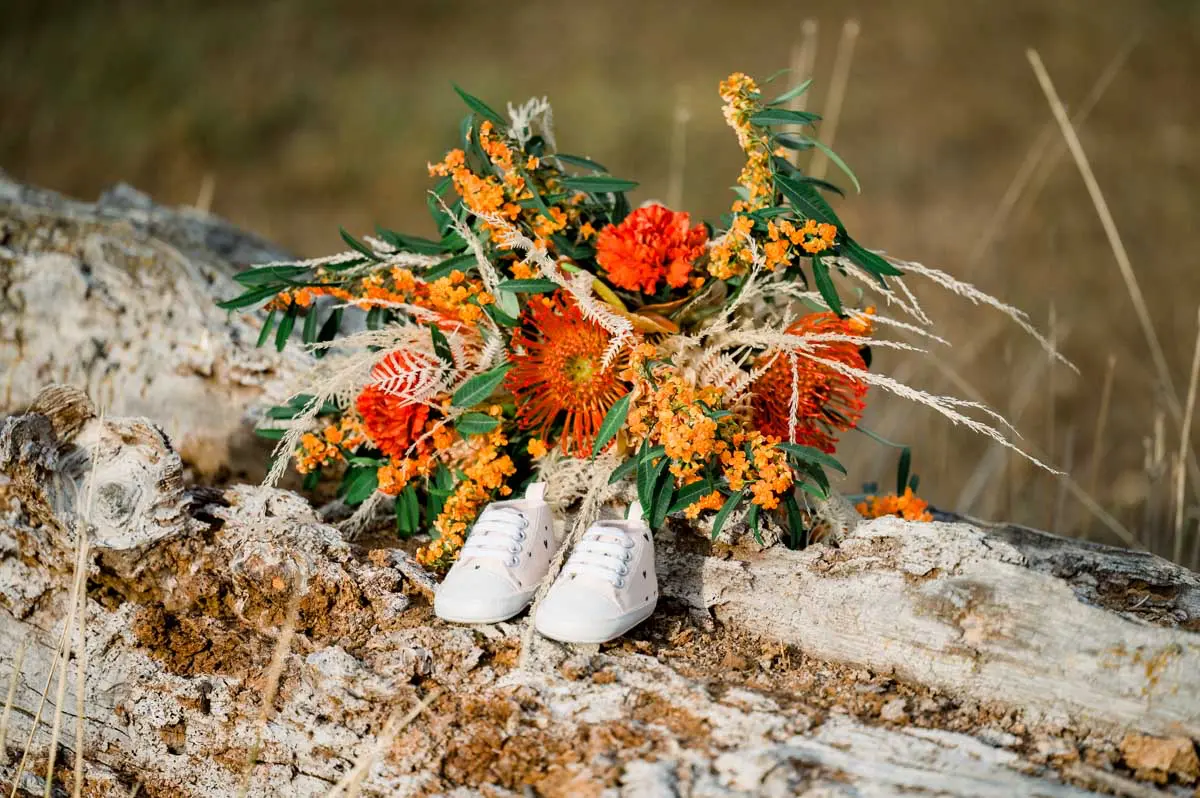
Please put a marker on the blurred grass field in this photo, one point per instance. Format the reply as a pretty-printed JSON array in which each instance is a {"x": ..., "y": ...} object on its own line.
[{"x": 296, "y": 117}]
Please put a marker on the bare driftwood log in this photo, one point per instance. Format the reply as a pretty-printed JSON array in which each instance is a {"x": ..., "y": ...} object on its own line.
[
  {"x": 939, "y": 658},
  {"x": 117, "y": 297}
]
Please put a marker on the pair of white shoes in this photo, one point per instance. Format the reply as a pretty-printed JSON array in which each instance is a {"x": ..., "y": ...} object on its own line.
[{"x": 607, "y": 586}]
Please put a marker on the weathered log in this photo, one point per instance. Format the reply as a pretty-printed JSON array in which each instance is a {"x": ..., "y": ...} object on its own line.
[
  {"x": 948, "y": 658},
  {"x": 118, "y": 298}
]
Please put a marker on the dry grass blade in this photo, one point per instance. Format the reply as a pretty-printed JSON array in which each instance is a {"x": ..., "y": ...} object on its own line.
[
  {"x": 804, "y": 57},
  {"x": 81, "y": 664},
  {"x": 1184, "y": 439},
  {"x": 1141, "y": 309},
  {"x": 1023, "y": 183},
  {"x": 14, "y": 679},
  {"x": 351, "y": 783},
  {"x": 208, "y": 187},
  {"x": 283, "y": 646},
  {"x": 1101, "y": 424},
  {"x": 837, "y": 95}
]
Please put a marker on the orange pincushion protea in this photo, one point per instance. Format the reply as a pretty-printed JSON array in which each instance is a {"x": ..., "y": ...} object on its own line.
[
  {"x": 558, "y": 373},
  {"x": 652, "y": 244},
  {"x": 393, "y": 421},
  {"x": 830, "y": 401}
]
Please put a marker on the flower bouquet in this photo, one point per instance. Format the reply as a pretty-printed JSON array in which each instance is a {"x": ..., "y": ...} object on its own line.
[{"x": 553, "y": 332}]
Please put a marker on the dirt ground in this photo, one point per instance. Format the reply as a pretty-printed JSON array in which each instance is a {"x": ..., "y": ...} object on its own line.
[{"x": 301, "y": 116}]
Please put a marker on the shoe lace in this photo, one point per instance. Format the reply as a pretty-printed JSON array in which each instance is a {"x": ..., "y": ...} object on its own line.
[
  {"x": 604, "y": 551},
  {"x": 497, "y": 535}
]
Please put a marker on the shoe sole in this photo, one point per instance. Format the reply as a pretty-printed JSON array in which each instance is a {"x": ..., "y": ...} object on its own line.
[
  {"x": 452, "y": 618},
  {"x": 627, "y": 622}
]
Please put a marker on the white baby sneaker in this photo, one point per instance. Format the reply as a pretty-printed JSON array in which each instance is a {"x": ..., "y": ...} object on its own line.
[
  {"x": 506, "y": 555},
  {"x": 607, "y": 587}
]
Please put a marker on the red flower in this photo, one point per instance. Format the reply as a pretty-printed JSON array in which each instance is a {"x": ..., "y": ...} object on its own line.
[
  {"x": 558, "y": 373},
  {"x": 650, "y": 245},
  {"x": 830, "y": 401},
  {"x": 392, "y": 420}
]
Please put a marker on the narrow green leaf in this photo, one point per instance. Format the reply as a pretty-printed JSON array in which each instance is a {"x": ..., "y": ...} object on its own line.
[
  {"x": 462, "y": 263},
  {"x": 728, "y": 507},
  {"x": 285, "y": 328},
  {"x": 441, "y": 346},
  {"x": 475, "y": 424},
  {"x": 825, "y": 284},
  {"x": 791, "y": 93},
  {"x": 480, "y": 107},
  {"x": 579, "y": 161},
  {"x": 689, "y": 494},
  {"x": 375, "y": 318},
  {"x": 622, "y": 471},
  {"x": 357, "y": 245},
  {"x": 309, "y": 333},
  {"x": 479, "y": 387},
  {"x": 265, "y": 332},
  {"x": 815, "y": 491},
  {"x": 407, "y": 243},
  {"x": 796, "y": 531},
  {"x": 752, "y": 520},
  {"x": 328, "y": 331},
  {"x": 903, "y": 469},
  {"x": 373, "y": 462},
  {"x": 782, "y": 116},
  {"x": 269, "y": 433},
  {"x": 359, "y": 483},
  {"x": 805, "y": 199},
  {"x": 311, "y": 479},
  {"x": 614, "y": 419},
  {"x": 810, "y": 455},
  {"x": 868, "y": 260},
  {"x": 838, "y": 162},
  {"x": 268, "y": 274},
  {"x": 663, "y": 492},
  {"x": 645, "y": 482},
  {"x": 534, "y": 286},
  {"x": 499, "y": 316},
  {"x": 252, "y": 297},
  {"x": 597, "y": 184},
  {"x": 790, "y": 142}
]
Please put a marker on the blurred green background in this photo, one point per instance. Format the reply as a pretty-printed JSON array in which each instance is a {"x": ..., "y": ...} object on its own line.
[{"x": 295, "y": 117}]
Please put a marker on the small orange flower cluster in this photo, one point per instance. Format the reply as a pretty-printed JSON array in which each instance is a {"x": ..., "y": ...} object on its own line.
[
  {"x": 812, "y": 237},
  {"x": 483, "y": 478},
  {"x": 909, "y": 506},
  {"x": 731, "y": 254},
  {"x": 537, "y": 448},
  {"x": 765, "y": 470},
  {"x": 741, "y": 97},
  {"x": 317, "y": 451}
]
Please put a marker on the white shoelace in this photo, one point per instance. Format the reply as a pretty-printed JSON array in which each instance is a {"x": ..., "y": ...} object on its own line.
[
  {"x": 497, "y": 535},
  {"x": 604, "y": 551}
]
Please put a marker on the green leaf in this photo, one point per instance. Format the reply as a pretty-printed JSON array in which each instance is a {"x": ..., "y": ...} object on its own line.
[
  {"x": 791, "y": 93},
  {"x": 359, "y": 484},
  {"x": 375, "y": 318},
  {"x": 534, "y": 286},
  {"x": 797, "y": 532},
  {"x": 809, "y": 454},
  {"x": 499, "y": 316},
  {"x": 309, "y": 333},
  {"x": 723, "y": 514},
  {"x": 480, "y": 107},
  {"x": 373, "y": 462},
  {"x": 357, "y": 245},
  {"x": 268, "y": 274},
  {"x": 903, "y": 469},
  {"x": 441, "y": 346},
  {"x": 805, "y": 199},
  {"x": 311, "y": 479},
  {"x": 270, "y": 433},
  {"x": 285, "y": 328},
  {"x": 782, "y": 116},
  {"x": 328, "y": 331},
  {"x": 252, "y": 297},
  {"x": 475, "y": 424},
  {"x": 579, "y": 161},
  {"x": 614, "y": 419},
  {"x": 868, "y": 260},
  {"x": 408, "y": 512},
  {"x": 598, "y": 184},
  {"x": 752, "y": 520},
  {"x": 790, "y": 142},
  {"x": 479, "y": 387},
  {"x": 838, "y": 162},
  {"x": 622, "y": 471},
  {"x": 463, "y": 263},
  {"x": 265, "y": 332},
  {"x": 663, "y": 492},
  {"x": 405, "y": 243},
  {"x": 825, "y": 284},
  {"x": 572, "y": 250},
  {"x": 689, "y": 494},
  {"x": 815, "y": 491}
]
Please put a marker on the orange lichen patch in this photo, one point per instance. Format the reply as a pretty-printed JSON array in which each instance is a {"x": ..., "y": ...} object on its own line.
[
  {"x": 829, "y": 401},
  {"x": 558, "y": 373},
  {"x": 907, "y": 506},
  {"x": 652, "y": 245}
]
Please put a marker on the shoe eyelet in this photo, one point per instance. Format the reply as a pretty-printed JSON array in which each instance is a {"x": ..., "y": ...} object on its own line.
[
  {"x": 623, "y": 570},
  {"x": 619, "y": 583},
  {"x": 627, "y": 543},
  {"x": 514, "y": 548},
  {"x": 512, "y": 562},
  {"x": 627, "y": 556}
]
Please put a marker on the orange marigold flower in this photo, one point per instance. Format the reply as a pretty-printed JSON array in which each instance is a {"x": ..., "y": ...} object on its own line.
[
  {"x": 558, "y": 373},
  {"x": 909, "y": 507},
  {"x": 829, "y": 400},
  {"x": 393, "y": 422},
  {"x": 652, "y": 244}
]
